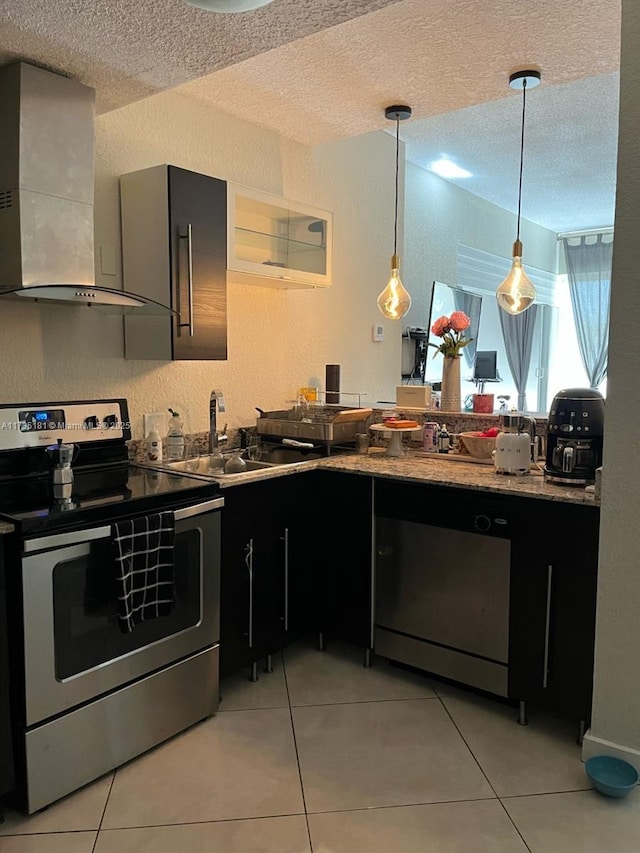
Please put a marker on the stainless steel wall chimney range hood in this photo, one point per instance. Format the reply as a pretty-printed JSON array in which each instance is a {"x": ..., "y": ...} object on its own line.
[{"x": 46, "y": 193}]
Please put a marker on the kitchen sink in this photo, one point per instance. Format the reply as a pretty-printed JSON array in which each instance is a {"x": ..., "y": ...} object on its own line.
[
  {"x": 287, "y": 455},
  {"x": 202, "y": 467},
  {"x": 270, "y": 457}
]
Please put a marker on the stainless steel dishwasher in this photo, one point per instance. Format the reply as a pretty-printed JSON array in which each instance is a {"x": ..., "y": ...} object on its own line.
[{"x": 442, "y": 582}]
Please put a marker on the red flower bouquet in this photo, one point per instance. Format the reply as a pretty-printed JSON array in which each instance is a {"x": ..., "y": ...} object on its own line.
[{"x": 450, "y": 329}]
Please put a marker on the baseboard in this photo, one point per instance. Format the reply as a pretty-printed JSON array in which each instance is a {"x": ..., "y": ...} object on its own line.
[{"x": 597, "y": 746}]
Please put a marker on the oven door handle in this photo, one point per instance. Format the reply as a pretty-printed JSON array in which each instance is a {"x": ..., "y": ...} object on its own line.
[
  {"x": 77, "y": 537},
  {"x": 198, "y": 509}
]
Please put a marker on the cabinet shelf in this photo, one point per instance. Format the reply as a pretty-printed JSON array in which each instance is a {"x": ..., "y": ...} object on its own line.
[
  {"x": 257, "y": 239},
  {"x": 277, "y": 243}
]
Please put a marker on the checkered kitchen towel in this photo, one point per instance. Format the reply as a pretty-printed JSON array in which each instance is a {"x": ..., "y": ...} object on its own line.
[{"x": 144, "y": 568}]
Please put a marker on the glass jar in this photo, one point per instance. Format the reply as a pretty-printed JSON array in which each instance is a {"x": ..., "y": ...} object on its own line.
[
  {"x": 362, "y": 443},
  {"x": 235, "y": 464}
]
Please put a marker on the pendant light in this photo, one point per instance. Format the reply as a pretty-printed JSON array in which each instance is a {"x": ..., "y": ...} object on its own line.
[
  {"x": 394, "y": 301},
  {"x": 517, "y": 293}
]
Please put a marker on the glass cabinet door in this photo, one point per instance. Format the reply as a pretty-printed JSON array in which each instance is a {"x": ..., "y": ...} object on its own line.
[{"x": 278, "y": 243}]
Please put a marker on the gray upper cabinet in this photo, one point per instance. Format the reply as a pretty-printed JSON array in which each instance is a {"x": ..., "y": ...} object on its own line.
[{"x": 174, "y": 243}]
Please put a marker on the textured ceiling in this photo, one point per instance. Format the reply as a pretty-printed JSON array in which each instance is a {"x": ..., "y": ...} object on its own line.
[
  {"x": 571, "y": 138},
  {"x": 319, "y": 70},
  {"x": 128, "y": 49},
  {"x": 437, "y": 55},
  {"x": 450, "y": 60}
]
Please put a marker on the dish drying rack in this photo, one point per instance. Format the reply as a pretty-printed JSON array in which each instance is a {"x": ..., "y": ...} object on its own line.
[{"x": 324, "y": 424}]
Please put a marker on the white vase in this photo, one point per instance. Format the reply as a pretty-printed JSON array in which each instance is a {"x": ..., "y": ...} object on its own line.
[{"x": 450, "y": 391}]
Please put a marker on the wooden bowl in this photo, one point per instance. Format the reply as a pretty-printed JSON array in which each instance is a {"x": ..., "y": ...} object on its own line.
[{"x": 477, "y": 445}]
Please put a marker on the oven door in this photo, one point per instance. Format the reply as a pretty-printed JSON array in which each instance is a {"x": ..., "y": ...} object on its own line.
[{"x": 74, "y": 648}]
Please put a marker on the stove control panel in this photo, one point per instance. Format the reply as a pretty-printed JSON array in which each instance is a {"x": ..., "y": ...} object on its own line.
[
  {"x": 40, "y": 419},
  {"x": 41, "y": 424}
]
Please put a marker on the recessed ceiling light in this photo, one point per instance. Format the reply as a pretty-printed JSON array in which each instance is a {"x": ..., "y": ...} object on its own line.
[
  {"x": 447, "y": 169},
  {"x": 228, "y": 6}
]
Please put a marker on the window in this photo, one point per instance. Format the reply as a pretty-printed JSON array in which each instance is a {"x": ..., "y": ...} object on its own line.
[
  {"x": 566, "y": 369},
  {"x": 555, "y": 357}
]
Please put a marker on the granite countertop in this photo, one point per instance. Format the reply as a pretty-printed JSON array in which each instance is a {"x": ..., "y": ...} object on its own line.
[{"x": 419, "y": 467}]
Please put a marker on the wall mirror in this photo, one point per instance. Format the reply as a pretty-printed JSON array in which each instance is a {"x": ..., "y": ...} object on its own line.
[{"x": 418, "y": 363}]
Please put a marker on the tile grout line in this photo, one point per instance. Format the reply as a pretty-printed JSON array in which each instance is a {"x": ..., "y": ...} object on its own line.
[
  {"x": 192, "y": 822},
  {"x": 407, "y": 805},
  {"x": 502, "y": 806},
  {"x": 326, "y": 704},
  {"x": 545, "y": 793},
  {"x": 295, "y": 744},
  {"x": 104, "y": 811}
]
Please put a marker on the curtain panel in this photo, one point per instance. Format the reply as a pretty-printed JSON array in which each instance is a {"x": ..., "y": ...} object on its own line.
[
  {"x": 517, "y": 333},
  {"x": 589, "y": 271},
  {"x": 471, "y": 305}
]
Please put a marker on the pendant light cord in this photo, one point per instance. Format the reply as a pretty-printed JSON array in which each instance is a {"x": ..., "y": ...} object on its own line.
[
  {"x": 524, "y": 107},
  {"x": 395, "y": 221}
]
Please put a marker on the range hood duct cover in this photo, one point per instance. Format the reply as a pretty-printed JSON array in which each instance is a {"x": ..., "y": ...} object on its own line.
[{"x": 46, "y": 193}]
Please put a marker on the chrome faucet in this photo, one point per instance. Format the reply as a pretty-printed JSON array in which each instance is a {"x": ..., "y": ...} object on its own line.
[{"x": 216, "y": 404}]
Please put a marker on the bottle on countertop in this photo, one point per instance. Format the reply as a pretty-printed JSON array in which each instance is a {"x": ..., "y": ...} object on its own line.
[
  {"x": 154, "y": 445},
  {"x": 430, "y": 437},
  {"x": 175, "y": 437},
  {"x": 444, "y": 440}
]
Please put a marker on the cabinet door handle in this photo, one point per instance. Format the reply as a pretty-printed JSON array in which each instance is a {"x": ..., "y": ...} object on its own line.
[
  {"x": 189, "y": 238},
  {"x": 285, "y": 539},
  {"x": 249, "y": 564},
  {"x": 547, "y": 629}
]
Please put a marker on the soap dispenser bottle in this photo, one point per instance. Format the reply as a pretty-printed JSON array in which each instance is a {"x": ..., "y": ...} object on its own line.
[
  {"x": 175, "y": 437},
  {"x": 444, "y": 440}
]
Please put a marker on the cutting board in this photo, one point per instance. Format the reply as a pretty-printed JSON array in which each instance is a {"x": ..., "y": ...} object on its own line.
[{"x": 348, "y": 415}]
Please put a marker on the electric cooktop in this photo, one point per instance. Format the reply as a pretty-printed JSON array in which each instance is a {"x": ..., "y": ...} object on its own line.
[{"x": 99, "y": 495}]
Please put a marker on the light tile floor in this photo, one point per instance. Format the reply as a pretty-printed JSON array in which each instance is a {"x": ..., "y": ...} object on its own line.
[{"x": 325, "y": 756}]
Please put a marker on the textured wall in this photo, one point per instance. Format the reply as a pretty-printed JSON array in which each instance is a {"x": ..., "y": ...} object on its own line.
[
  {"x": 616, "y": 711},
  {"x": 278, "y": 340}
]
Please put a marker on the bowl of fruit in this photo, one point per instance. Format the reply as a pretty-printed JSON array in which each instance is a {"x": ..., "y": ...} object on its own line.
[{"x": 480, "y": 445}]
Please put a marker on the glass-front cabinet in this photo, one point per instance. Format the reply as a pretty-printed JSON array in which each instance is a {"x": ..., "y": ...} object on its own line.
[{"x": 276, "y": 242}]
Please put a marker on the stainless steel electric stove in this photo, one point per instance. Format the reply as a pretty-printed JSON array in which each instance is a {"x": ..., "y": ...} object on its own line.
[{"x": 87, "y": 696}]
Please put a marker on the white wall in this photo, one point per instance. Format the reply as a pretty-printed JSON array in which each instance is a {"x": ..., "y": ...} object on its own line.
[
  {"x": 439, "y": 216},
  {"x": 616, "y": 710},
  {"x": 278, "y": 340}
]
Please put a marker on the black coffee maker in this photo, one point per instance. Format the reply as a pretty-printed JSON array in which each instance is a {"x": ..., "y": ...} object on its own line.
[{"x": 574, "y": 436}]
